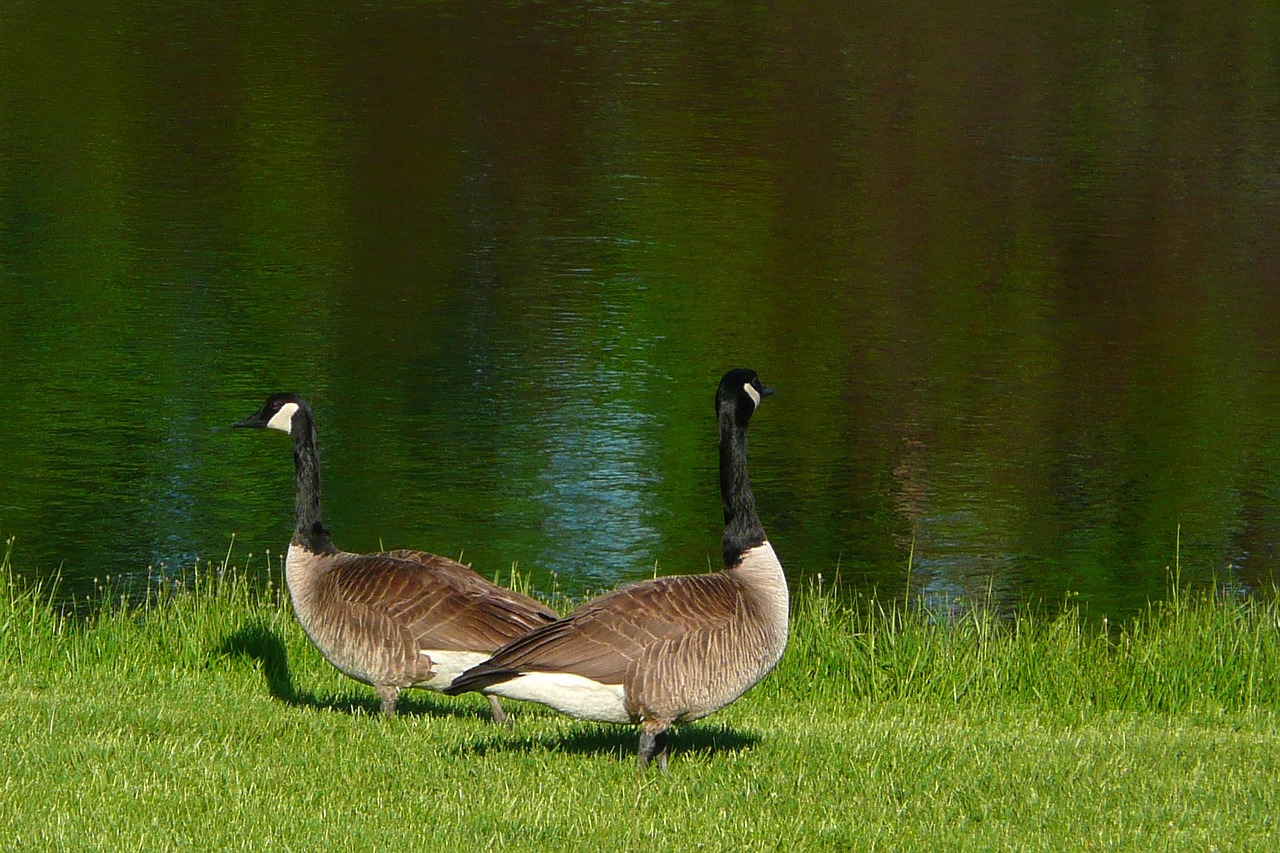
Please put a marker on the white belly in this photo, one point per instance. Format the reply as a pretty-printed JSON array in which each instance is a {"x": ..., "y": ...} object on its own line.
[
  {"x": 569, "y": 694},
  {"x": 447, "y": 666}
]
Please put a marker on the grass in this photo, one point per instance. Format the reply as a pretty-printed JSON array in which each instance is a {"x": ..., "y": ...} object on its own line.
[{"x": 200, "y": 716}]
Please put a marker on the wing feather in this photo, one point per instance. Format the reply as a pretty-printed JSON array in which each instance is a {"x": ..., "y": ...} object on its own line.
[
  {"x": 433, "y": 602},
  {"x": 608, "y": 638}
]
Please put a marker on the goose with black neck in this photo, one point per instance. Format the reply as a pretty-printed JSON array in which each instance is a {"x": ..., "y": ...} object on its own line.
[
  {"x": 666, "y": 650},
  {"x": 396, "y": 619}
]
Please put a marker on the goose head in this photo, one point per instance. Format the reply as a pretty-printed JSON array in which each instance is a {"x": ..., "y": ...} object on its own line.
[
  {"x": 277, "y": 413},
  {"x": 739, "y": 394}
]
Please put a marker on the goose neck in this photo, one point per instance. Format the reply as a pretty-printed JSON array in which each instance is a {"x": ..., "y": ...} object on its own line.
[
  {"x": 742, "y": 528},
  {"x": 309, "y": 531}
]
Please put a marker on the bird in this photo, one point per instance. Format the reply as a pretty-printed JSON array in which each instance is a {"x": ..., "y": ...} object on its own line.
[
  {"x": 392, "y": 620},
  {"x": 671, "y": 649}
]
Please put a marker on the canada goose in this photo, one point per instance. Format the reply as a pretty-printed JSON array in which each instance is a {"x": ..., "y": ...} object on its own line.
[
  {"x": 392, "y": 620},
  {"x": 670, "y": 649}
]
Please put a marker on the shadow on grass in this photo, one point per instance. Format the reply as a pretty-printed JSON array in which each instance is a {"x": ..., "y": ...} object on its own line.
[
  {"x": 617, "y": 741},
  {"x": 261, "y": 645}
]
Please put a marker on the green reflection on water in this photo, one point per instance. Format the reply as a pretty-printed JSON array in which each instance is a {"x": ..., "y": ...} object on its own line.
[{"x": 1010, "y": 273}]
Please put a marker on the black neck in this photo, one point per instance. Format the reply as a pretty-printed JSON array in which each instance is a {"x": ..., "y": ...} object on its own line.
[
  {"x": 742, "y": 528},
  {"x": 310, "y": 531}
]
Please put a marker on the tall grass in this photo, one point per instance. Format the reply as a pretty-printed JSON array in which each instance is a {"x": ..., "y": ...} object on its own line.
[
  {"x": 173, "y": 624},
  {"x": 1197, "y": 651},
  {"x": 27, "y": 618},
  {"x": 1193, "y": 652}
]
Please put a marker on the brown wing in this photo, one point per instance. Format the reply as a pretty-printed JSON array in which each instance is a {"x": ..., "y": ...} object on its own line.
[
  {"x": 436, "y": 602},
  {"x": 604, "y": 638},
  {"x": 465, "y": 580}
]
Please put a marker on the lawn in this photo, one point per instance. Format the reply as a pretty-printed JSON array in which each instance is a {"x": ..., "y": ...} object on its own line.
[{"x": 202, "y": 717}]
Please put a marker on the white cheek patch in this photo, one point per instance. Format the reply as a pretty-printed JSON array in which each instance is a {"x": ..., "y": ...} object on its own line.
[
  {"x": 752, "y": 393},
  {"x": 283, "y": 419}
]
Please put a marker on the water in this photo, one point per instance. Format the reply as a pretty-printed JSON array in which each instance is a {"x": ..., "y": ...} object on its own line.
[{"x": 1010, "y": 272}]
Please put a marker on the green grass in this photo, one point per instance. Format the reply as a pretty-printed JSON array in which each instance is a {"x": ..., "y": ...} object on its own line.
[{"x": 201, "y": 717}]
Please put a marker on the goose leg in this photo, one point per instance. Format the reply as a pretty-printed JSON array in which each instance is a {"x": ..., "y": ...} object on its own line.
[
  {"x": 499, "y": 715},
  {"x": 653, "y": 746},
  {"x": 390, "y": 694}
]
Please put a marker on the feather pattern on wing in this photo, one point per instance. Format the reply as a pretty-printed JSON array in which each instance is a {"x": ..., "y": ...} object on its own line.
[{"x": 373, "y": 615}]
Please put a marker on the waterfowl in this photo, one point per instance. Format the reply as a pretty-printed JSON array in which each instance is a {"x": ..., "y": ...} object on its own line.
[
  {"x": 391, "y": 620},
  {"x": 670, "y": 649}
]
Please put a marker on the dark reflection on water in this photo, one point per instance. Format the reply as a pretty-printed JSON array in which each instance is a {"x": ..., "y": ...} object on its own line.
[{"x": 1009, "y": 271}]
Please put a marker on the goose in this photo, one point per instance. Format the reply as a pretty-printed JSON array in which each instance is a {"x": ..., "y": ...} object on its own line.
[
  {"x": 392, "y": 620},
  {"x": 666, "y": 650}
]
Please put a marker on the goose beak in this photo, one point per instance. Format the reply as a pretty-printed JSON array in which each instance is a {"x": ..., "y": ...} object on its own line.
[
  {"x": 765, "y": 392},
  {"x": 254, "y": 420}
]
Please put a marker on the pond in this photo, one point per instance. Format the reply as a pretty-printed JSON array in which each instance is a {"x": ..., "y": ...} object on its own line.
[{"x": 1011, "y": 273}]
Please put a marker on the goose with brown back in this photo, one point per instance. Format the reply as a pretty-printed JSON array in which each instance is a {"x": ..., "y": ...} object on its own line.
[
  {"x": 671, "y": 649},
  {"x": 392, "y": 620}
]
